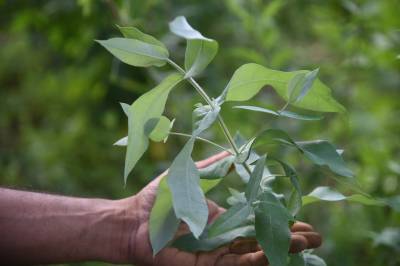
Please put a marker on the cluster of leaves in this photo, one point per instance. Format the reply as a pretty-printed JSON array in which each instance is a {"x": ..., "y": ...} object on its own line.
[{"x": 258, "y": 211}]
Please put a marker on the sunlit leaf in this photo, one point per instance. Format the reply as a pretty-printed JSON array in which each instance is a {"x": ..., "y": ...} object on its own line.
[
  {"x": 122, "y": 142},
  {"x": 321, "y": 152},
  {"x": 249, "y": 79},
  {"x": 232, "y": 218},
  {"x": 300, "y": 84},
  {"x": 200, "y": 51},
  {"x": 188, "y": 199},
  {"x": 148, "y": 106},
  {"x": 136, "y": 53},
  {"x": 191, "y": 244},
  {"x": 134, "y": 33},
  {"x": 272, "y": 230}
]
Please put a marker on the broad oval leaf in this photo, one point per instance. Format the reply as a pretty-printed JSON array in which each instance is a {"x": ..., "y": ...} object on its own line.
[
  {"x": 147, "y": 107},
  {"x": 321, "y": 152},
  {"x": 232, "y": 218},
  {"x": 249, "y": 79},
  {"x": 135, "y": 52},
  {"x": 134, "y": 33},
  {"x": 272, "y": 228},
  {"x": 161, "y": 131},
  {"x": 200, "y": 51},
  {"x": 190, "y": 244},
  {"x": 188, "y": 199}
]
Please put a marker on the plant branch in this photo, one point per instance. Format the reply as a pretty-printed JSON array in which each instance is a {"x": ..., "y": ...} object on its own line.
[
  {"x": 221, "y": 121},
  {"x": 201, "y": 139}
]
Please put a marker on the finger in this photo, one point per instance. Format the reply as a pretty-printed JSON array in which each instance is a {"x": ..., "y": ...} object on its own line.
[
  {"x": 298, "y": 243},
  {"x": 301, "y": 227},
  {"x": 249, "y": 259},
  {"x": 214, "y": 210},
  {"x": 314, "y": 240},
  {"x": 212, "y": 159},
  {"x": 242, "y": 246}
]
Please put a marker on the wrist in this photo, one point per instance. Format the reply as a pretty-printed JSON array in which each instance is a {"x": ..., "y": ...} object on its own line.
[{"x": 114, "y": 230}]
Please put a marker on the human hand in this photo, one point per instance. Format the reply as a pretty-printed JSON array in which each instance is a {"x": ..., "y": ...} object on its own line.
[{"x": 240, "y": 252}]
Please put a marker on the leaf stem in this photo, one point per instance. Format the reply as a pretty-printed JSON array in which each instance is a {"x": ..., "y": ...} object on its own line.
[
  {"x": 221, "y": 121},
  {"x": 201, "y": 139}
]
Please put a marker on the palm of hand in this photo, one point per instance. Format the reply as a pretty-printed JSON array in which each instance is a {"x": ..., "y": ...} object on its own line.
[{"x": 238, "y": 253}]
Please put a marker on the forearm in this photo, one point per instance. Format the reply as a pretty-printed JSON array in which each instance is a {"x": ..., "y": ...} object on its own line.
[{"x": 42, "y": 228}]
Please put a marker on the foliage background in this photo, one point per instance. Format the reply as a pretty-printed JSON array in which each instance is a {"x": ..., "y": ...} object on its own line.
[{"x": 59, "y": 94}]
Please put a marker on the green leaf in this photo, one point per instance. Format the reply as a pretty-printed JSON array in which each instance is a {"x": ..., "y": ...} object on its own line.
[
  {"x": 306, "y": 117},
  {"x": 295, "y": 200},
  {"x": 188, "y": 198},
  {"x": 203, "y": 117},
  {"x": 236, "y": 197},
  {"x": 121, "y": 142},
  {"x": 218, "y": 169},
  {"x": 272, "y": 230},
  {"x": 254, "y": 186},
  {"x": 244, "y": 152},
  {"x": 161, "y": 131},
  {"x": 232, "y": 218},
  {"x": 300, "y": 84},
  {"x": 125, "y": 108},
  {"x": 135, "y": 52},
  {"x": 329, "y": 194},
  {"x": 313, "y": 260},
  {"x": 134, "y": 33},
  {"x": 321, "y": 152},
  {"x": 389, "y": 237},
  {"x": 163, "y": 223},
  {"x": 273, "y": 136},
  {"x": 296, "y": 259},
  {"x": 147, "y": 107},
  {"x": 249, "y": 79},
  {"x": 190, "y": 244},
  {"x": 200, "y": 51}
]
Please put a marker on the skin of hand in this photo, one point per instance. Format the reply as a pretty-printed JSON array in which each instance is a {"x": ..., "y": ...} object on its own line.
[{"x": 242, "y": 252}]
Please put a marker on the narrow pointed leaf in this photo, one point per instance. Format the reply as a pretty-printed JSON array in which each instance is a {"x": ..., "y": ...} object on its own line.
[
  {"x": 272, "y": 230},
  {"x": 134, "y": 33},
  {"x": 125, "y": 108},
  {"x": 203, "y": 117},
  {"x": 249, "y": 79},
  {"x": 135, "y": 52},
  {"x": 122, "y": 142},
  {"x": 273, "y": 136},
  {"x": 200, "y": 51},
  {"x": 329, "y": 194},
  {"x": 190, "y": 244},
  {"x": 188, "y": 199},
  {"x": 321, "y": 152},
  {"x": 148, "y": 106},
  {"x": 300, "y": 84},
  {"x": 253, "y": 187},
  {"x": 218, "y": 169},
  {"x": 232, "y": 218},
  {"x": 288, "y": 114}
]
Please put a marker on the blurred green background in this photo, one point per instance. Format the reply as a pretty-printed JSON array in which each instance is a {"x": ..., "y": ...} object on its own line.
[{"x": 59, "y": 94}]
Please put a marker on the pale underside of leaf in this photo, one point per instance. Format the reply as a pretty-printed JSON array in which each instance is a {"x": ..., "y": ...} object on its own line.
[{"x": 285, "y": 113}]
